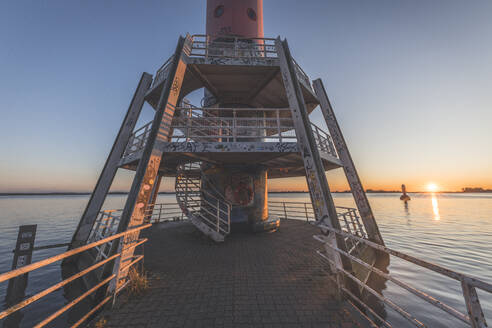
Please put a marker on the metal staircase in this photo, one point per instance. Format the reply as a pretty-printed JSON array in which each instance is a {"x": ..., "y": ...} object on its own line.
[{"x": 209, "y": 213}]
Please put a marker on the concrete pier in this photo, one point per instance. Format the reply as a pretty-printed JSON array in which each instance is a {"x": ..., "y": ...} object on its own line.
[{"x": 251, "y": 280}]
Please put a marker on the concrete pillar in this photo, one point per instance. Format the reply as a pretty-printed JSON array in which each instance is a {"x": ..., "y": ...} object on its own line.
[{"x": 244, "y": 187}]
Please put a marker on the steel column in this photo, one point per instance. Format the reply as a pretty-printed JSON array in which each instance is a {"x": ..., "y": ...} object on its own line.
[
  {"x": 148, "y": 166},
  {"x": 111, "y": 166},
  {"x": 153, "y": 198},
  {"x": 323, "y": 205},
  {"x": 348, "y": 164}
]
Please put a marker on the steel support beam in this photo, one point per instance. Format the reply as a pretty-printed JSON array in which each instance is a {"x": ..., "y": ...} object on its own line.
[
  {"x": 112, "y": 163},
  {"x": 323, "y": 205},
  {"x": 348, "y": 165},
  {"x": 148, "y": 166},
  {"x": 153, "y": 198}
]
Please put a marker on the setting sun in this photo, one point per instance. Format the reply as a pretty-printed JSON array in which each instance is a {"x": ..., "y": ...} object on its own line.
[{"x": 432, "y": 187}]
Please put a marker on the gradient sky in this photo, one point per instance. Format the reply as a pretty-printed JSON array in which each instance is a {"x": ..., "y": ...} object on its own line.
[{"x": 410, "y": 82}]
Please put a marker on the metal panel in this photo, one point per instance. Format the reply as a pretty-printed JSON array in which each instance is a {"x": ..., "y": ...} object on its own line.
[
  {"x": 111, "y": 166},
  {"x": 348, "y": 164},
  {"x": 22, "y": 257}
]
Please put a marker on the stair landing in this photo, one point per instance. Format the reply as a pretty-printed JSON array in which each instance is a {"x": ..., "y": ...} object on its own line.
[{"x": 251, "y": 280}]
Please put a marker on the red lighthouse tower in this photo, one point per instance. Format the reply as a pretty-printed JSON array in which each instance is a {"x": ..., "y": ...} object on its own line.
[{"x": 235, "y": 18}]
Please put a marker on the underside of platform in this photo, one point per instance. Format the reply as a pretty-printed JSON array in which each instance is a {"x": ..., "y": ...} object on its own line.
[
  {"x": 281, "y": 159},
  {"x": 255, "y": 86}
]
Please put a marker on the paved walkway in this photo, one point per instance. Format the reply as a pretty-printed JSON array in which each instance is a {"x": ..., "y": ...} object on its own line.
[{"x": 251, "y": 280}]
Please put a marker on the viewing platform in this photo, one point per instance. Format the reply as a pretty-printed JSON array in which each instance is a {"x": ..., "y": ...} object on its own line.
[
  {"x": 253, "y": 280},
  {"x": 231, "y": 136},
  {"x": 241, "y": 70}
]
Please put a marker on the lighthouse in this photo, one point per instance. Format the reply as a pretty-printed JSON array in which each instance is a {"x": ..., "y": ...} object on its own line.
[{"x": 252, "y": 125}]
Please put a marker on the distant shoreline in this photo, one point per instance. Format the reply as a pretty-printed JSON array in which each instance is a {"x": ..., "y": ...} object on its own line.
[{"x": 271, "y": 192}]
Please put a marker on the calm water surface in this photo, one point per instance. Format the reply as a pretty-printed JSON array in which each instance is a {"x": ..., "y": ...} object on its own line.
[{"x": 453, "y": 230}]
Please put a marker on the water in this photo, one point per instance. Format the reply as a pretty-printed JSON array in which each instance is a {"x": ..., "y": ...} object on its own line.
[{"x": 453, "y": 230}]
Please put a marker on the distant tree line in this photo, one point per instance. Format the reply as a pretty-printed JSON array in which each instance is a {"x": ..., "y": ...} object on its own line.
[{"x": 475, "y": 189}]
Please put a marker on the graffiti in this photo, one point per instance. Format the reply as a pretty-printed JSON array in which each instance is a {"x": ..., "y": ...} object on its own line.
[
  {"x": 239, "y": 190},
  {"x": 246, "y": 61},
  {"x": 175, "y": 86}
]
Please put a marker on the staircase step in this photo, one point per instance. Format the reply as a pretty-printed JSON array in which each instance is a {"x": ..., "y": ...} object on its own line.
[{"x": 203, "y": 227}]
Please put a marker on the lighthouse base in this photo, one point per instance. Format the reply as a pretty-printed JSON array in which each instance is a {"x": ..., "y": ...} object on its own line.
[{"x": 245, "y": 188}]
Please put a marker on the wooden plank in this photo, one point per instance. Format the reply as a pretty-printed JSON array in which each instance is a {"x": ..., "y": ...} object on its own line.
[
  {"x": 111, "y": 166},
  {"x": 353, "y": 179}
]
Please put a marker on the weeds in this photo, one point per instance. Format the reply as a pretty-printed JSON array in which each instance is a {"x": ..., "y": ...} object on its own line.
[
  {"x": 139, "y": 282},
  {"x": 101, "y": 323}
]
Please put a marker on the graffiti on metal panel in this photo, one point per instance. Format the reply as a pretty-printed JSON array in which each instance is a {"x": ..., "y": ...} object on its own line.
[
  {"x": 199, "y": 147},
  {"x": 239, "y": 190},
  {"x": 175, "y": 88}
]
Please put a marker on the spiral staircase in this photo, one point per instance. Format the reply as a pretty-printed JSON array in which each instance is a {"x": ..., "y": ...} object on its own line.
[{"x": 209, "y": 213}]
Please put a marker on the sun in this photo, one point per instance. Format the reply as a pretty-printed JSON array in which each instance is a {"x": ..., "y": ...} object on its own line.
[{"x": 432, "y": 187}]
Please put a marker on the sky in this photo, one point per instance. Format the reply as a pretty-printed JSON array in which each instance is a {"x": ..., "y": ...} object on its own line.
[{"x": 410, "y": 83}]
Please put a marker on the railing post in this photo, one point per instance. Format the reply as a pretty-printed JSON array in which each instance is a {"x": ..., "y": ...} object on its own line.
[
  {"x": 22, "y": 257},
  {"x": 344, "y": 215},
  {"x": 285, "y": 210},
  {"x": 218, "y": 215},
  {"x": 305, "y": 210},
  {"x": 228, "y": 218},
  {"x": 188, "y": 130},
  {"x": 207, "y": 43},
  {"x": 278, "y": 126},
  {"x": 234, "y": 129},
  {"x": 477, "y": 319}
]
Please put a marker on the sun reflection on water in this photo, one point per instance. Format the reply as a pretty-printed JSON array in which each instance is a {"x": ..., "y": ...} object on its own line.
[{"x": 435, "y": 207}]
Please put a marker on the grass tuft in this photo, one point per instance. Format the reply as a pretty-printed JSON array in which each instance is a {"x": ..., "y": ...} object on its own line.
[
  {"x": 139, "y": 282},
  {"x": 101, "y": 323}
]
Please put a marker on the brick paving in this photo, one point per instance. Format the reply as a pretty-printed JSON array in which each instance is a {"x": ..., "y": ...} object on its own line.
[{"x": 251, "y": 280}]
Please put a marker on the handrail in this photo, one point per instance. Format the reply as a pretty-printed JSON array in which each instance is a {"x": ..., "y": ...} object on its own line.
[
  {"x": 233, "y": 47},
  {"x": 37, "y": 265},
  {"x": 348, "y": 217},
  {"x": 205, "y": 124},
  {"x": 206, "y": 206},
  {"x": 469, "y": 283}
]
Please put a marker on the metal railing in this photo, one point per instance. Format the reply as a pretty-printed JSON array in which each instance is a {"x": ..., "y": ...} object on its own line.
[
  {"x": 233, "y": 124},
  {"x": 232, "y": 47},
  {"x": 112, "y": 278},
  {"x": 195, "y": 124},
  {"x": 324, "y": 141},
  {"x": 206, "y": 46},
  {"x": 196, "y": 202},
  {"x": 107, "y": 222},
  {"x": 474, "y": 318},
  {"x": 138, "y": 139},
  {"x": 301, "y": 75},
  {"x": 164, "y": 212},
  {"x": 348, "y": 217},
  {"x": 162, "y": 72}
]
